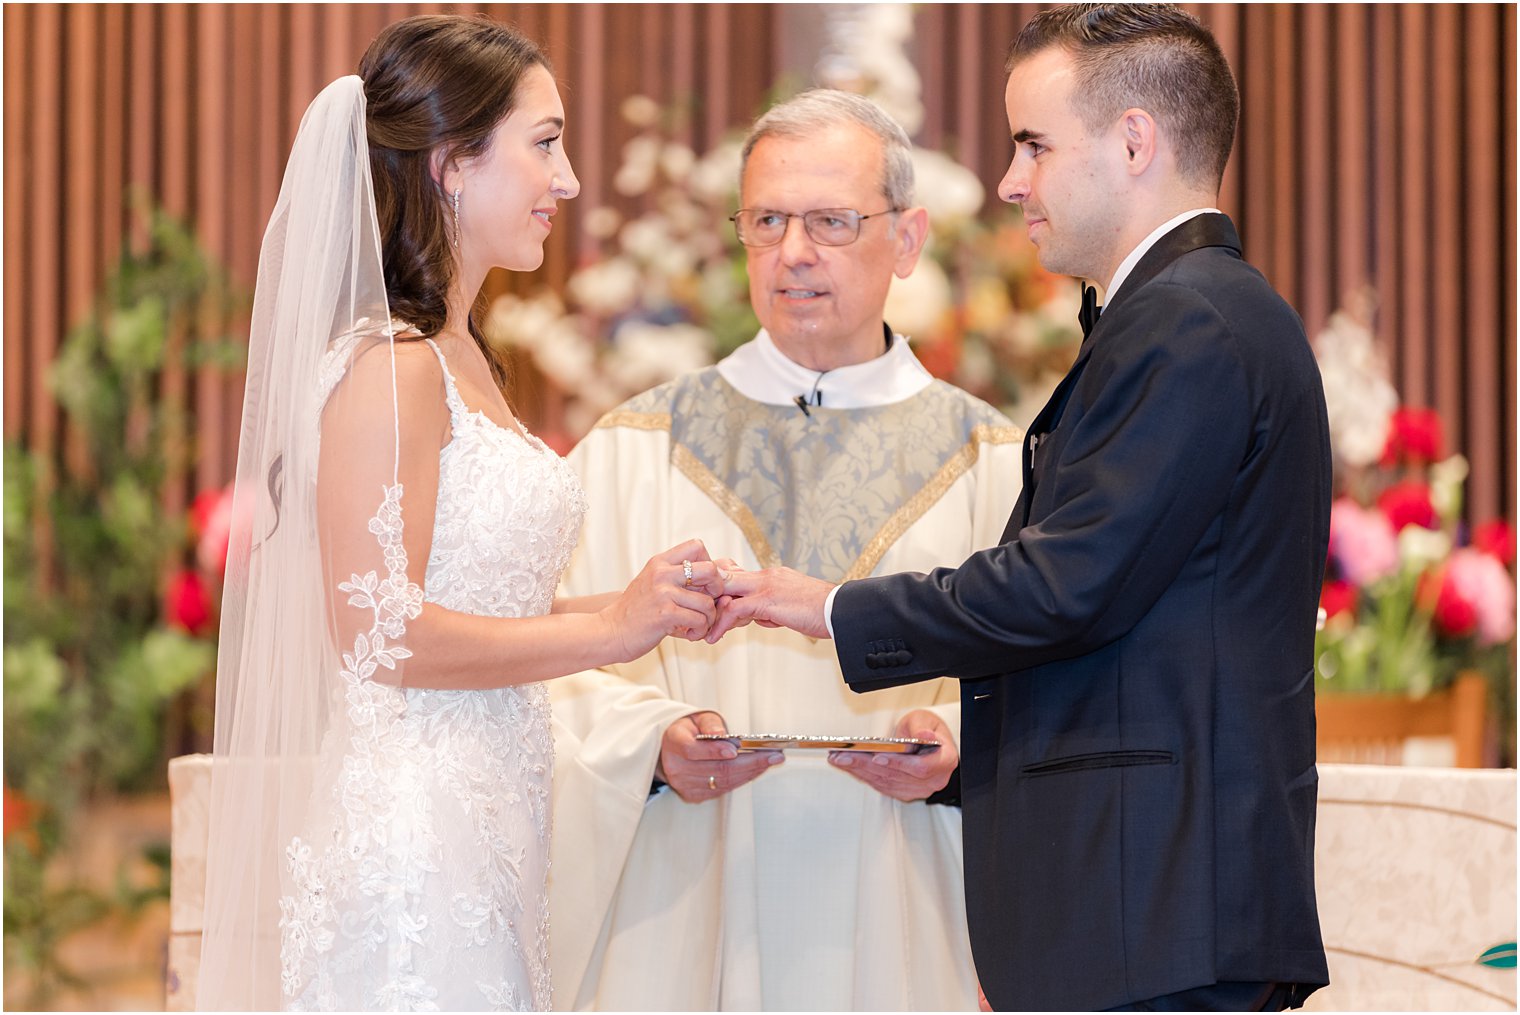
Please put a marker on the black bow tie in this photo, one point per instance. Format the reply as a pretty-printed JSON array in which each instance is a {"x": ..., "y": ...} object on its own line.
[{"x": 1090, "y": 310}]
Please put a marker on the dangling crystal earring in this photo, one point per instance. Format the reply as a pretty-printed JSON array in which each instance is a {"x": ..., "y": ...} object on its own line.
[{"x": 456, "y": 218}]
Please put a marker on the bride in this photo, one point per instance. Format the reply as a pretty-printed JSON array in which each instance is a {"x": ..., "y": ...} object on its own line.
[{"x": 380, "y": 789}]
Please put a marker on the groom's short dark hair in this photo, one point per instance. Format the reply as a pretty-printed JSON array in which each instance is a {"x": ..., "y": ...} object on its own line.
[{"x": 1156, "y": 57}]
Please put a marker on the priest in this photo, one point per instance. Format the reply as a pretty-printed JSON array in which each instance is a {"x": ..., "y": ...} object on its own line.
[{"x": 687, "y": 874}]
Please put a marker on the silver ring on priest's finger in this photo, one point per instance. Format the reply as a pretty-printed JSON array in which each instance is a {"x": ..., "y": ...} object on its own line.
[{"x": 686, "y": 569}]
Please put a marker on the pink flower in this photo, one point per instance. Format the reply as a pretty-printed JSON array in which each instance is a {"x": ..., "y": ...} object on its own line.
[
  {"x": 1408, "y": 503},
  {"x": 1481, "y": 582},
  {"x": 1414, "y": 437},
  {"x": 211, "y": 514},
  {"x": 1496, "y": 539},
  {"x": 187, "y": 605},
  {"x": 1362, "y": 542}
]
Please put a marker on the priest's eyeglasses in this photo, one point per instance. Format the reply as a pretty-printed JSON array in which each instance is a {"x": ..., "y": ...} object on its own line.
[{"x": 829, "y": 227}]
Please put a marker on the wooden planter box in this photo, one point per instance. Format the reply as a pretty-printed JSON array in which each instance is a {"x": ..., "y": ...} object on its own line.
[{"x": 1372, "y": 728}]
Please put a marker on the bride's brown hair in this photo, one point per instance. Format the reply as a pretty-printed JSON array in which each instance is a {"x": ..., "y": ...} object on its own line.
[{"x": 433, "y": 84}]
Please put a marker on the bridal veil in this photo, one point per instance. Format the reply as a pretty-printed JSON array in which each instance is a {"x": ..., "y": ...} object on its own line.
[{"x": 301, "y": 605}]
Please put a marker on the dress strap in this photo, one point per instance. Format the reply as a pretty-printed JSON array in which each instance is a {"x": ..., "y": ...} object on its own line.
[{"x": 457, "y": 409}]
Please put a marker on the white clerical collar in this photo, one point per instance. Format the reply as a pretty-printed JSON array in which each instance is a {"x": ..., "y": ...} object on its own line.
[
  {"x": 1128, "y": 264},
  {"x": 760, "y": 371}
]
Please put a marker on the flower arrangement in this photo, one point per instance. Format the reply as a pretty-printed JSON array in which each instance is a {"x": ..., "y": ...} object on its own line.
[
  {"x": 1006, "y": 328},
  {"x": 102, "y": 640},
  {"x": 1412, "y": 594}
]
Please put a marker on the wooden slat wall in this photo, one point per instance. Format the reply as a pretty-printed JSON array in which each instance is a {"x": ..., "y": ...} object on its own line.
[{"x": 1377, "y": 148}]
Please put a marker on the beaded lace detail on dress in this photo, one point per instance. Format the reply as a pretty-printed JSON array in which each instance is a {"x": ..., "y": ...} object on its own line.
[{"x": 421, "y": 880}]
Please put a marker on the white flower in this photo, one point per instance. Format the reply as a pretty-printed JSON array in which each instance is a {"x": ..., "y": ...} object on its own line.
[
  {"x": 645, "y": 237},
  {"x": 567, "y": 360},
  {"x": 1446, "y": 479},
  {"x": 916, "y": 304},
  {"x": 640, "y": 110},
  {"x": 602, "y": 223},
  {"x": 1358, "y": 397},
  {"x": 1420, "y": 547},
  {"x": 518, "y": 321},
  {"x": 645, "y": 354},
  {"x": 948, "y": 189},
  {"x": 677, "y": 160},
  {"x": 716, "y": 175},
  {"x": 640, "y": 160},
  {"x": 605, "y": 288},
  {"x": 719, "y": 286}
]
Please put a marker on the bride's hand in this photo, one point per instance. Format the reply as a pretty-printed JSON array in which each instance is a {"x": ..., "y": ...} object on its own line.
[{"x": 672, "y": 595}]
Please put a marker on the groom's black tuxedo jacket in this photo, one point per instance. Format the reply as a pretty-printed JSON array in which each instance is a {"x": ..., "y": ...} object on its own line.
[{"x": 1137, "y": 757}]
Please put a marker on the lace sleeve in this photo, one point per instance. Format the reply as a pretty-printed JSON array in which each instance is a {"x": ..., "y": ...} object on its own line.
[{"x": 375, "y": 503}]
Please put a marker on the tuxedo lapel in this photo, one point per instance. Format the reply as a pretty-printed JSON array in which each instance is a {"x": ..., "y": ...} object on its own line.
[{"x": 1207, "y": 230}]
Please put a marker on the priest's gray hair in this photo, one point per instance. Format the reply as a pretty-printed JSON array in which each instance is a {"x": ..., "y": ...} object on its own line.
[{"x": 820, "y": 108}]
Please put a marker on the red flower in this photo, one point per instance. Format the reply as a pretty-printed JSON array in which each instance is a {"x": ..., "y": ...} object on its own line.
[
  {"x": 1407, "y": 503},
  {"x": 1414, "y": 437},
  {"x": 941, "y": 355},
  {"x": 19, "y": 812},
  {"x": 1338, "y": 597},
  {"x": 1454, "y": 614},
  {"x": 1496, "y": 539},
  {"x": 187, "y": 604}
]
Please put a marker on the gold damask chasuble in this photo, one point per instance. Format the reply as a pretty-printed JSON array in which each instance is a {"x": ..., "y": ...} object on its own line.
[{"x": 824, "y": 492}]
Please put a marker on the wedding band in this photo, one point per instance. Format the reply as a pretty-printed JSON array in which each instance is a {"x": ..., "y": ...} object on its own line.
[
  {"x": 686, "y": 567},
  {"x": 712, "y": 782}
]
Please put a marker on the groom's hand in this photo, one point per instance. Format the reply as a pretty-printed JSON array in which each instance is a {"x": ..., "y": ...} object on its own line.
[
  {"x": 775, "y": 597},
  {"x": 700, "y": 770},
  {"x": 906, "y": 777}
]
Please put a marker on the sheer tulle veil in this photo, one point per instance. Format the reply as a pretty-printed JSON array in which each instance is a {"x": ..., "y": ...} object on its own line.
[{"x": 319, "y": 303}]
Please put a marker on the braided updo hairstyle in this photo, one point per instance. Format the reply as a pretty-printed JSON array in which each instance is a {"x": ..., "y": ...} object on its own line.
[{"x": 433, "y": 84}]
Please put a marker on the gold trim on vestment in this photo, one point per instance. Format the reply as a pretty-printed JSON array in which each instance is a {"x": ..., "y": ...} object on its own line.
[
  {"x": 727, "y": 501},
  {"x": 938, "y": 485},
  {"x": 635, "y": 420}
]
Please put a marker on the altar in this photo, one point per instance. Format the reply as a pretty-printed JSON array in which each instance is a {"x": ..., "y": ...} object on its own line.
[{"x": 1415, "y": 870}]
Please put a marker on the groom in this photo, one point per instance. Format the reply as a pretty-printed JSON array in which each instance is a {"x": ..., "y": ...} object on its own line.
[{"x": 1136, "y": 656}]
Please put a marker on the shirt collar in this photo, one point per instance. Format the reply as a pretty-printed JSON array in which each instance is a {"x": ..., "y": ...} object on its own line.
[
  {"x": 760, "y": 371},
  {"x": 1128, "y": 264}
]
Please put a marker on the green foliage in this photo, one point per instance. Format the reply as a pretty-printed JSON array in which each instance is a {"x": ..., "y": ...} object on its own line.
[{"x": 90, "y": 667}]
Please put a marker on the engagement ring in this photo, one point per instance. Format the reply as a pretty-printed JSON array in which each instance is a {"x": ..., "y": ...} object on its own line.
[{"x": 686, "y": 567}]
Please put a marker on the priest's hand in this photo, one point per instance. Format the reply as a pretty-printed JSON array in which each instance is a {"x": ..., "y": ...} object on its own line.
[
  {"x": 700, "y": 770},
  {"x": 906, "y": 777},
  {"x": 774, "y": 597}
]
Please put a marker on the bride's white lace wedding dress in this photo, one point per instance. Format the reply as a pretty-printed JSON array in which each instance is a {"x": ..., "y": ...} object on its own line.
[{"x": 423, "y": 883}]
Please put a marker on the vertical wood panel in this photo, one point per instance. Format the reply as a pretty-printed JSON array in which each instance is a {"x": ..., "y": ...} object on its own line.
[
  {"x": 1224, "y": 21},
  {"x": 45, "y": 219},
  {"x": 1339, "y": 177},
  {"x": 1286, "y": 190},
  {"x": 1352, "y": 110},
  {"x": 19, "y": 340},
  {"x": 1414, "y": 282},
  {"x": 1508, "y": 268},
  {"x": 1449, "y": 319},
  {"x": 1314, "y": 152},
  {"x": 1255, "y": 139},
  {"x": 1481, "y": 185},
  {"x": 1389, "y": 214}
]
